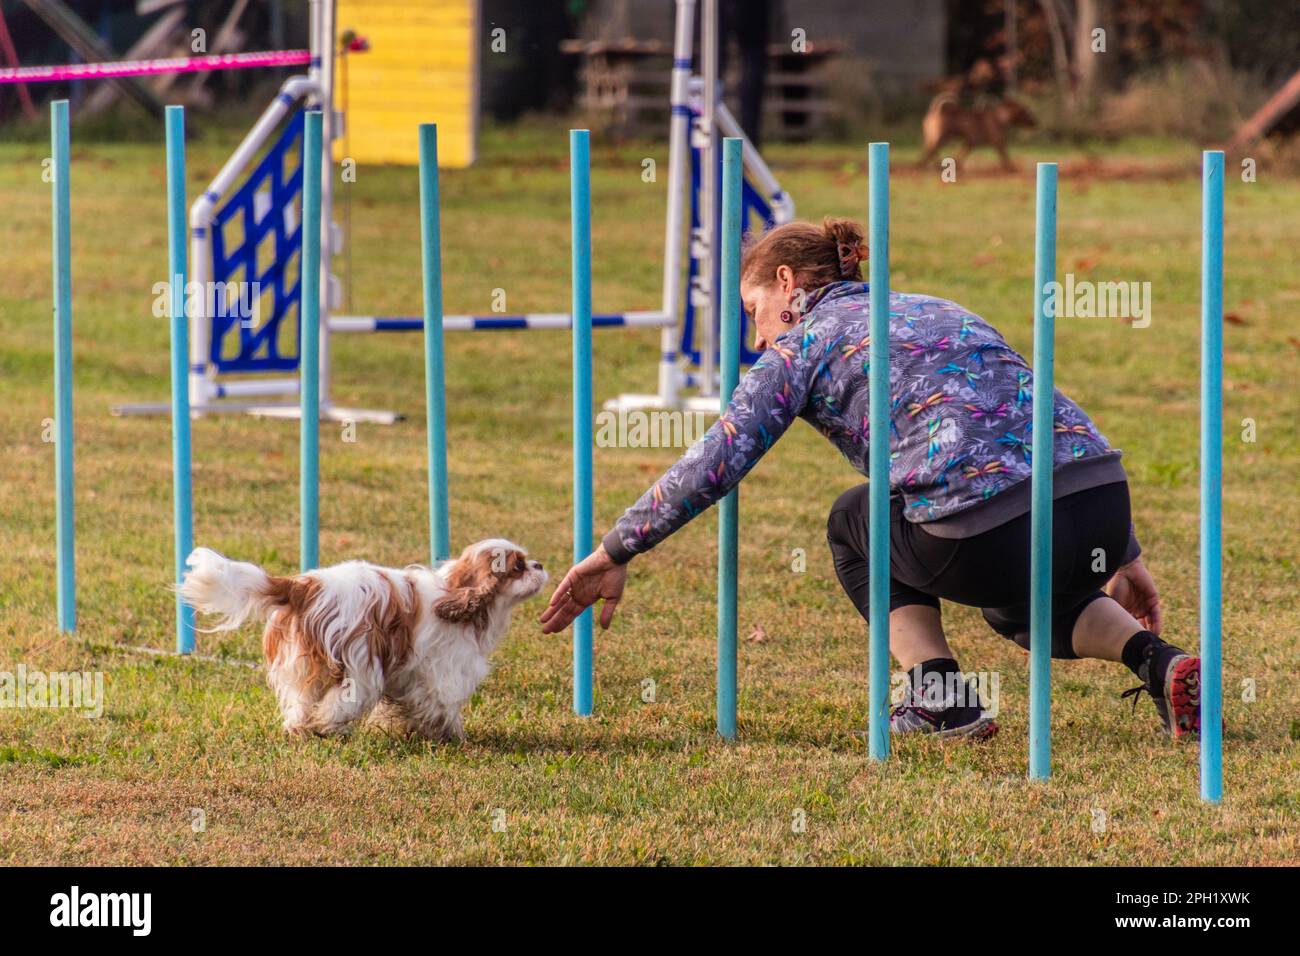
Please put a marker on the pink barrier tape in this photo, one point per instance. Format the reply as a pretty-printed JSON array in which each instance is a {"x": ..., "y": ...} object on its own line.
[{"x": 180, "y": 64}]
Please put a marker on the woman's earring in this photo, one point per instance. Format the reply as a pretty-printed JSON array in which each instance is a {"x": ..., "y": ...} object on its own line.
[{"x": 787, "y": 316}]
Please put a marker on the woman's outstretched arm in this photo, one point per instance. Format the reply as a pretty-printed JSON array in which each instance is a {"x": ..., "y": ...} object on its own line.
[{"x": 764, "y": 405}]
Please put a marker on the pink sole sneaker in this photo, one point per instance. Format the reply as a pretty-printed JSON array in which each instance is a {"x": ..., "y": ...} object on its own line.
[{"x": 1183, "y": 696}]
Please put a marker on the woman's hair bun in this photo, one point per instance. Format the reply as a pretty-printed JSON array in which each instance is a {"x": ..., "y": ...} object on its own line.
[{"x": 850, "y": 249}]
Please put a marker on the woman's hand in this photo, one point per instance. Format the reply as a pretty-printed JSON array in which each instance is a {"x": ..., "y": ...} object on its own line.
[
  {"x": 1134, "y": 590},
  {"x": 593, "y": 578}
]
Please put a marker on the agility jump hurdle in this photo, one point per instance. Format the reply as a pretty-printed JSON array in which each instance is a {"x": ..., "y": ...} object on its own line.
[{"x": 237, "y": 366}]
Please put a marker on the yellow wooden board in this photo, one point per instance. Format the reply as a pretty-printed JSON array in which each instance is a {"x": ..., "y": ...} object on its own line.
[{"x": 422, "y": 67}]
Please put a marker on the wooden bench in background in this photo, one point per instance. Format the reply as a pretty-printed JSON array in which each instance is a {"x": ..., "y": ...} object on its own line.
[{"x": 623, "y": 88}]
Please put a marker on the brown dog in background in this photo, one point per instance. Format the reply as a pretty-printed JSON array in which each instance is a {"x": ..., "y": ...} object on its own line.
[{"x": 947, "y": 120}]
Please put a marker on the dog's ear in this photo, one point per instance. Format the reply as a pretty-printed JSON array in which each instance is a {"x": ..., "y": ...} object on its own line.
[
  {"x": 471, "y": 586},
  {"x": 464, "y": 604}
]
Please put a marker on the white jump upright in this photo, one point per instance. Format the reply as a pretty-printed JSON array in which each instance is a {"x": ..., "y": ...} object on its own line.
[{"x": 698, "y": 120}]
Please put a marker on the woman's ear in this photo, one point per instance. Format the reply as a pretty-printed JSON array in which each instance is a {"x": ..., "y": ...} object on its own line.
[{"x": 785, "y": 279}]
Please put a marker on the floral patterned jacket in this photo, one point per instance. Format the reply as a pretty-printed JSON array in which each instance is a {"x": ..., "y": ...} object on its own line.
[{"x": 960, "y": 413}]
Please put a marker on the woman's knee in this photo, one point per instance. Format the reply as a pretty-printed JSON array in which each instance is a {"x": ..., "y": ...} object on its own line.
[
  {"x": 848, "y": 515},
  {"x": 854, "y": 500},
  {"x": 1013, "y": 624}
]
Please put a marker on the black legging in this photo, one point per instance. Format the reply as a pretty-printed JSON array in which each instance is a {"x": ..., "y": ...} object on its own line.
[{"x": 989, "y": 571}]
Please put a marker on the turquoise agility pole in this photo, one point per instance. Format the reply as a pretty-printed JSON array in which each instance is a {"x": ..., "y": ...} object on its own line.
[
  {"x": 309, "y": 352},
  {"x": 733, "y": 175},
  {"x": 580, "y": 212},
  {"x": 1212, "y": 476},
  {"x": 182, "y": 495},
  {"x": 435, "y": 395},
  {"x": 64, "y": 515},
  {"x": 878, "y": 452},
  {"x": 1043, "y": 441}
]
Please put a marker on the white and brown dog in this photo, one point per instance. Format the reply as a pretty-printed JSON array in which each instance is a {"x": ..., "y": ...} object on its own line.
[{"x": 405, "y": 647}]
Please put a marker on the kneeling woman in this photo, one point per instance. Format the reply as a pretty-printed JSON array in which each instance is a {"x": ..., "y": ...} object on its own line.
[{"x": 961, "y": 419}]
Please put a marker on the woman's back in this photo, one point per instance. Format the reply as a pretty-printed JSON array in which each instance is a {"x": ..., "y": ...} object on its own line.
[{"x": 961, "y": 413}]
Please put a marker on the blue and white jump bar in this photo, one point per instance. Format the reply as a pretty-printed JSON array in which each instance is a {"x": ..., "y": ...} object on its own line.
[{"x": 473, "y": 323}]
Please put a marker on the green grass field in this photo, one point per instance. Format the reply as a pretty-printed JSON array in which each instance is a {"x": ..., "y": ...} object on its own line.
[{"x": 638, "y": 783}]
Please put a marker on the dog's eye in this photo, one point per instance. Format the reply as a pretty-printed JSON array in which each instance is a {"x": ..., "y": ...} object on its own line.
[{"x": 519, "y": 562}]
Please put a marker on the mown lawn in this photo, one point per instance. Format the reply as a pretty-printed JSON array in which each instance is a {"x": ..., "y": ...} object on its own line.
[{"x": 639, "y": 782}]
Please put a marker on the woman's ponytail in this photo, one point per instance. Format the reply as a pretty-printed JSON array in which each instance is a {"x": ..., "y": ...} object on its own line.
[{"x": 817, "y": 256}]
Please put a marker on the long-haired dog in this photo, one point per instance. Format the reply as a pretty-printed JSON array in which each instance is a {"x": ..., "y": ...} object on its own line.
[{"x": 405, "y": 647}]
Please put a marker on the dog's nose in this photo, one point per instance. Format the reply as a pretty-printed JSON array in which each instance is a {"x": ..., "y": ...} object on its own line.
[{"x": 535, "y": 565}]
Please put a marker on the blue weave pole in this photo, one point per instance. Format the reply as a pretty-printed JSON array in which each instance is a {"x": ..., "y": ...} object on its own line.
[
  {"x": 309, "y": 348},
  {"x": 1042, "y": 446},
  {"x": 435, "y": 395},
  {"x": 878, "y": 453},
  {"x": 64, "y": 515},
  {"x": 182, "y": 496},
  {"x": 733, "y": 177},
  {"x": 1212, "y": 476},
  {"x": 580, "y": 212}
]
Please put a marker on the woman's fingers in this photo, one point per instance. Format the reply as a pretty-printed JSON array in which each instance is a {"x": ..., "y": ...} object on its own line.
[
  {"x": 593, "y": 578},
  {"x": 1153, "y": 621},
  {"x": 607, "y": 613},
  {"x": 557, "y": 619},
  {"x": 561, "y": 591},
  {"x": 564, "y": 605},
  {"x": 555, "y": 609}
]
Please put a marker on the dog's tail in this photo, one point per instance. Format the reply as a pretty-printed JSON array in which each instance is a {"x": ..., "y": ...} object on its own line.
[
  {"x": 943, "y": 103},
  {"x": 234, "y": 590}
]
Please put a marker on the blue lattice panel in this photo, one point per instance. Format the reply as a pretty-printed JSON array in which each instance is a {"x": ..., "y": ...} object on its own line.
[{"x": 257, "y": 237}]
